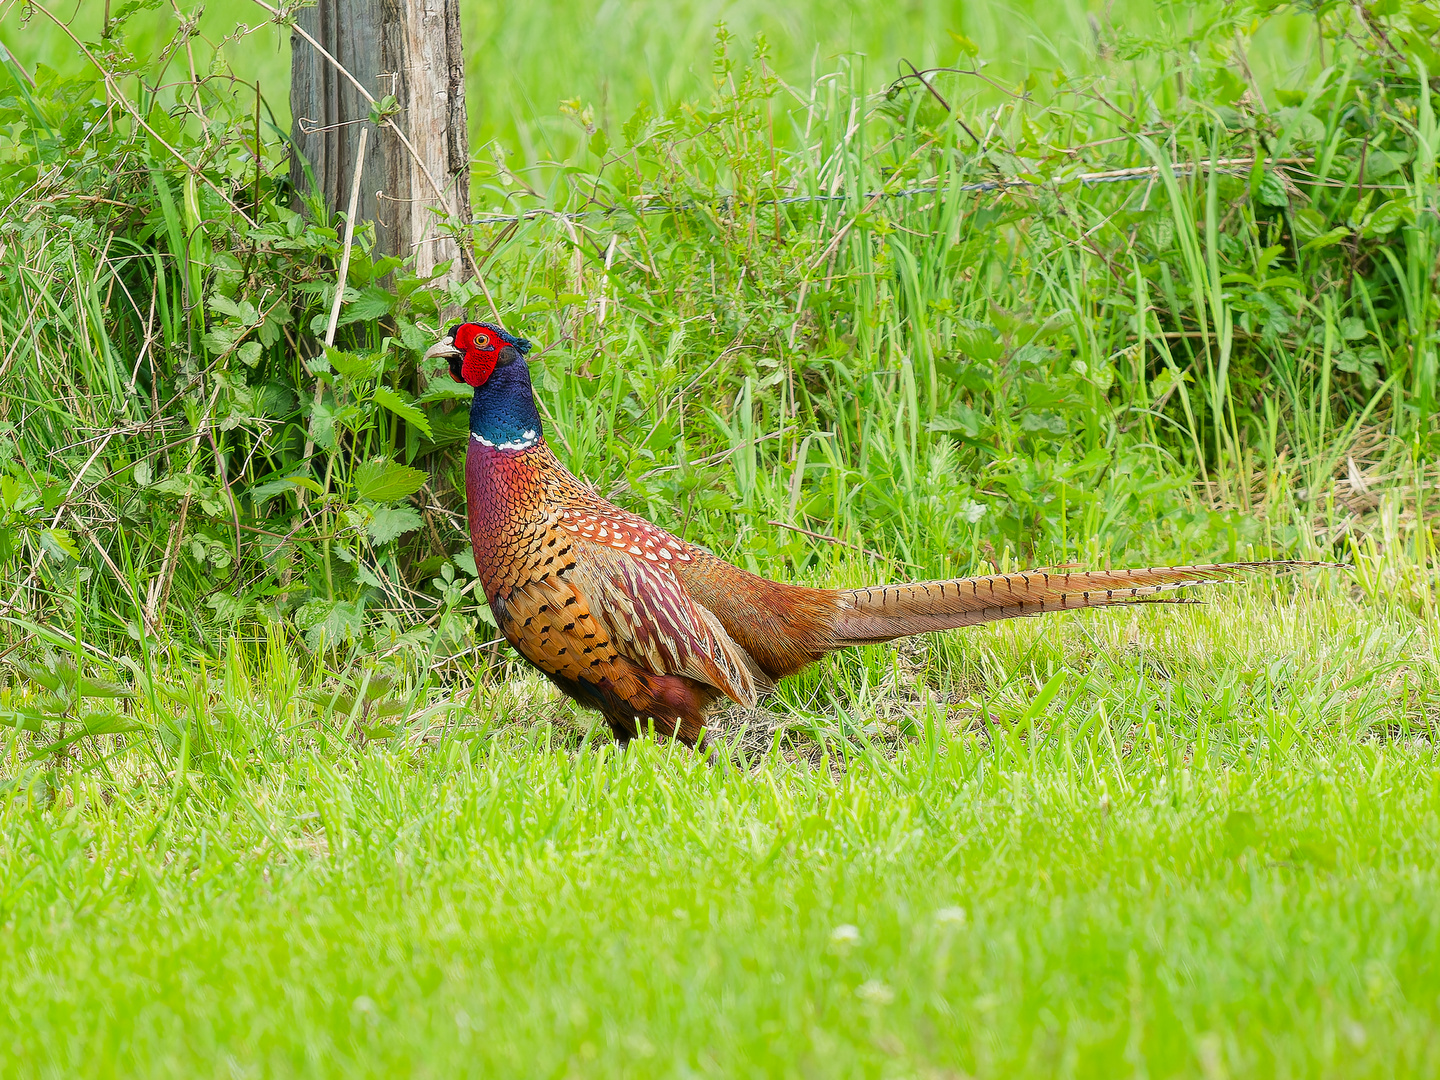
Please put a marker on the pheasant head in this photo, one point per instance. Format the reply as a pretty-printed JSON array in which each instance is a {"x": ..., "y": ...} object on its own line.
[{"x": 502, "y": 410}]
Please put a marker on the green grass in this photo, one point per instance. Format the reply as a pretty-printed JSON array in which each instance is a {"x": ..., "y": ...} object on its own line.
[
  {"x": 1206, "y": 847},
  {"x": 523, "y": 60}
]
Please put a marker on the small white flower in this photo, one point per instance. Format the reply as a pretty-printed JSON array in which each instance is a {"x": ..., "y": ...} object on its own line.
[
  {"x": 845, "y": 934},
  {"x": 950, "y": 916},
  {"x": 875, "y": 992}
]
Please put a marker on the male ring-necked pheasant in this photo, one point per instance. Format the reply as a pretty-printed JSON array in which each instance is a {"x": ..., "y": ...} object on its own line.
[{"x": 645, "y": 627}]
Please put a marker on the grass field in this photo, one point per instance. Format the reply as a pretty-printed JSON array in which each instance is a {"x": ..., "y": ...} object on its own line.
[
  {"x": 273, "y": 802},
  {"x": 1205, "y": 845}
]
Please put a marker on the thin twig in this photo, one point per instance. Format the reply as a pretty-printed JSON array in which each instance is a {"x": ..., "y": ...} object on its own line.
[
  {"x": 349, "y": 240},
  {"x": 344, "y": 272},
  {"x": 943, "y": 103}
]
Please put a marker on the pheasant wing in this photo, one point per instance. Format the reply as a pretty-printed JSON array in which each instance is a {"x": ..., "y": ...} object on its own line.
[{"x": 627, "y": 575}]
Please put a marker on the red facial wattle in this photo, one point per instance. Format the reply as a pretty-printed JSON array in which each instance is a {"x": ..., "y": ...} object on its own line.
[
  {"x": 479, "y": 352},
  {"x": 477, "y": 366}
]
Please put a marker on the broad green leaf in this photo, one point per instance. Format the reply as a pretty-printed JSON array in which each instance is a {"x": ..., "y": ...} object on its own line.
[
  {"x": 51, "y": 680},
  {"x": 61, "y": 673},
  {"x": 244, "y": 311},
  {"x": 329, "y": 622},
  {"x": 356, "y": 365},
  {"x": 392, "y": 521},
  {"x": 1327, "y": 239},
  {"x": 380, "y": 480},
  {"x": 260, "y": 492},
  {"x": 107, "y": 723},
  {"x": 1272, "y": 191},
  {"x": 402, "y": 405},
  {"x": 1380, "y": 164},
  {"x": 60, "y": 540},
  {"x": 1388, "y": 217},
  {"x": 25, "y": 719},
  {"x": 979, "y": 342},
  {"x": 446, "y": 389},
  {"x": 371, "y": 303}
]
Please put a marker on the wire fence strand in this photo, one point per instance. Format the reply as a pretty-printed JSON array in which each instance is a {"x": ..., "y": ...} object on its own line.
[{"x": 1114, "y": 176}]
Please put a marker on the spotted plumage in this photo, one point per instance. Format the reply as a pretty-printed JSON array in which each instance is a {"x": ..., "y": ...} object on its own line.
[{"x": 649, "y": 629}]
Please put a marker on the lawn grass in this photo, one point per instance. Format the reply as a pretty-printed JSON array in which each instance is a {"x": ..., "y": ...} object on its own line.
[{"x": 1199, "y": 841}]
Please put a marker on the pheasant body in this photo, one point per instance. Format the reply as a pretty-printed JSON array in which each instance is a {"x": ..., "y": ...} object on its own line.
[
  {"x": 645, "y": 627},
  {"x": 588, "y": 594}
]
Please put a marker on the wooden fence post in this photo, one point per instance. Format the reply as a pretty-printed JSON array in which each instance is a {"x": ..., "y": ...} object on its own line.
[{"x": 411, "y": 50}]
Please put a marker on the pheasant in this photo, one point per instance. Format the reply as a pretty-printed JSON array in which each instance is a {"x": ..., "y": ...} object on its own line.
[{"x": 648, "y": 628}]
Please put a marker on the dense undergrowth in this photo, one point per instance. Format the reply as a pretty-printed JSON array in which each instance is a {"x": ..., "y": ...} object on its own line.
[{"x": 1153, "y": 310}]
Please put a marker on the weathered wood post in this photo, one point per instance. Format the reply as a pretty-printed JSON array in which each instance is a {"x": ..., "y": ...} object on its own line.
[{"x": 410, "y": 50}]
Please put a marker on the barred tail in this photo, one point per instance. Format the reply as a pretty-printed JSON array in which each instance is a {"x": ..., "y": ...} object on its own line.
[{"x": 885, "y": 612}]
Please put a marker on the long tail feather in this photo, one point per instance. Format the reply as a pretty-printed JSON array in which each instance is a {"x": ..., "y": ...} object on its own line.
[{"x": 885, "y": 612}]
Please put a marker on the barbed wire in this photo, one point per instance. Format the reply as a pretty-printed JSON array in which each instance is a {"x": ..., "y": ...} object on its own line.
[{"x": 1114, "y": 176}]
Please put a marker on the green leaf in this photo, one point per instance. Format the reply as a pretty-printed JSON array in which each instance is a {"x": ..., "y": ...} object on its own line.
[
  {"x": 329, "y": 622},
  {"x": 260, "y": 492},
  {"x": 322, "y": 425},
  {"x": 403, "y": 406},
  {"x": 371, "y": 303},
  {"x": 107, "y": 723},
  {"x": 1380, "y": 164},
  {"x": 380, "y": 480},
  {"x": 61, "y": 673},
  {"x": 1300, "y": 127},
  {"x": 244, "y": 311},
  {"x": 1388, "y": 217},
  {"x": 387, "y": 106},
  {"x": 446, "y": 389},
  {"x": 1227, "y": 86},
  {"x": 60, "y": 540},
  {"x": 23, "y": 719},
  {"x": 392, "y": 521},
  {"x": 967, "y": 47},
  {"x": 42, "y": 676},
  {"x": 963, "y": 420},
  {"x": 1272, "y": 191},
  {"x": 356, "y": 366},
  {"x": 979, "y": 342},
  {"x": 1327, "y": 239}
]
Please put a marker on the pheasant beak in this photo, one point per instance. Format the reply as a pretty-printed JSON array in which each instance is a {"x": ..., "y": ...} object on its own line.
[{"x": 445, "y": 347}]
